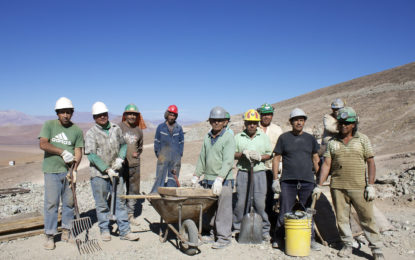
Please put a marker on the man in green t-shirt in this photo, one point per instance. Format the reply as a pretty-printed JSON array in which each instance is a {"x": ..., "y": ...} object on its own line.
[
  {"x": 252, "y": 147},
  {"x": 62, "y": 142},
  {"x": 346, "y": 157}
]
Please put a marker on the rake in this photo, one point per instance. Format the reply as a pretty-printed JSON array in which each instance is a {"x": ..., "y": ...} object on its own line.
[{"x": 80, "y": 227}]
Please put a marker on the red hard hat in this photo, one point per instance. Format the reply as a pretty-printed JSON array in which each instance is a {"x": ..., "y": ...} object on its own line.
[{"x": 173, "y": 109}]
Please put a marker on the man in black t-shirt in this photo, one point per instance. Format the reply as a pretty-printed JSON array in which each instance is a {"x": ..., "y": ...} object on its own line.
[{"x": 299, "y": 153}]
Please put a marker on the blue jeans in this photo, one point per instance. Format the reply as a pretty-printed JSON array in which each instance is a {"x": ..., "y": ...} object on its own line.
[
  {"x": 57, "y": 187},
  {"x": 164, "y": 168},
  {"x": 100, "y": 189},
  {"x": 289, "y": 191}
]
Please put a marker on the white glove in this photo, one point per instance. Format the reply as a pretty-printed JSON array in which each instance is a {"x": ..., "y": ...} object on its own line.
[
  {"x": 68, "y": 176},
  {"x": 67, "y": 156},
  {"x": 370, "y": 192},
  {"x": 217, "y": 186},
  {"x": 317, "y": 191},
  {"x": 195, "y": 180},
  {"x": 276, "y": 186},
  {"x": 117, "y": 164},
  {"x": 247, "y": 154},
  {"x": 111, "y": 173},
  {"x": 255, "y": 156}
]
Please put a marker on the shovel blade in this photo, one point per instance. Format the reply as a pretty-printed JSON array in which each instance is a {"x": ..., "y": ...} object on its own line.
[{"x": 251, "y": 229}]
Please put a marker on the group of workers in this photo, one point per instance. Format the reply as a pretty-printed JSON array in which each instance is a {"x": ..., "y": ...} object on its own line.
[{"x": 282, "y": 163}]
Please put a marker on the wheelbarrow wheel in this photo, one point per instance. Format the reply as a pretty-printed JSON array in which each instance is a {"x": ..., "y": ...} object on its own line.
[{"x": 190, "y": 233}]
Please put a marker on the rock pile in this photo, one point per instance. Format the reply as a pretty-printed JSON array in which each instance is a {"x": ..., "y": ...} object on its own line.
[{"x": 398, "y": 184}]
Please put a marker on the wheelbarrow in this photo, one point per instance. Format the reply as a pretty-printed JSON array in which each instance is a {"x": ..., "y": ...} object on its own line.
[{"x": 182, "y": 206}]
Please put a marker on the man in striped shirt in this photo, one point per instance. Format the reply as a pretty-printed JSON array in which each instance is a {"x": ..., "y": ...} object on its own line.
[{"x": 346, "y": 157}]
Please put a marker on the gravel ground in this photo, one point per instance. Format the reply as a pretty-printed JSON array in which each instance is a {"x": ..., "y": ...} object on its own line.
[{"x": 399, "y": 242}]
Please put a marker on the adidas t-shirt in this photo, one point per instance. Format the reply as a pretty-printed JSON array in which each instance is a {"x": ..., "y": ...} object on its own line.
[{"x": 66, "y": 138}]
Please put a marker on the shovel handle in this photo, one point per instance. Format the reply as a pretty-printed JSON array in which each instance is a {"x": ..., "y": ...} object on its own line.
[{"x": 73, "y": 188}]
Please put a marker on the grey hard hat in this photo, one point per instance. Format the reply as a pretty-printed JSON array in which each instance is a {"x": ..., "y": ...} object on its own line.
[
  {"x": 337, "y": 103},
  {"x": 296, "y": 112},
  {"x": 217, "y": 113}
]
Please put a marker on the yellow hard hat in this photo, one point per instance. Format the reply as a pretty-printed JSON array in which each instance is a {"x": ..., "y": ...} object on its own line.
[{"x": 252, "y": 115}]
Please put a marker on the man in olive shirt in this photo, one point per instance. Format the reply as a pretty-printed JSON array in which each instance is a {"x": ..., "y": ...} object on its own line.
[
  {"x": 346, "y": 157},
  {"x": 62, "y": 142},
  {"x": 131, "y": 126}
]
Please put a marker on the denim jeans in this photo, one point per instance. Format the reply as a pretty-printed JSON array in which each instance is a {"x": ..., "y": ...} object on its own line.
[
  {"x": 57, "y": 187},
  {"x": 289, "y": 191},
  {"x": 164, "y": 168},
  {"x": 100, "y": 189}
]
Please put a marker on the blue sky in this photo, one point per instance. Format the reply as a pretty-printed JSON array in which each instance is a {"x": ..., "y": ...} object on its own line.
[{"x": 195, "y": 54}]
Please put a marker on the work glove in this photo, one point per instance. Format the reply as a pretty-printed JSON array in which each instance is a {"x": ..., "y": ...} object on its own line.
[
  {"x": 276, "y": 186},
  {"x": 247, "y": 154},
  {"x": 195, "y": 180},
  {"x": 117, "y": 164},
  {"x": 67, "y": 156},
  {"x": 317, "y": 191},
  {"x": 255, "y": 156},
  {"x": 68, "y": 177},
  {"x": 111, "y": 173},
  {"x": 370, "y": 192},
  {"x": 217, "y": 186}
]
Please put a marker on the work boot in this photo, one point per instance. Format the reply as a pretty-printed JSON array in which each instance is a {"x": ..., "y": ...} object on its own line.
[
  {"x": 132, "y": 220},
  {"x": 346, "y": 251},
  {"x": 130, "y": 236},
  {"x": 221, "y": 245},
  {"x": 49, "y": 242},
  {"x": 378, "y": 256},
  {"x": 66, "y": 234},
  {"x": 106, "y": 236},
  {"x": 315, "y": 246}
]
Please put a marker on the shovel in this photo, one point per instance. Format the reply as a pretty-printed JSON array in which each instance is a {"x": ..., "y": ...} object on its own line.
[
  {"x": 80, "y": 226},
  {"x": 312, "y": 211},
  {"x": 112, "y": 216},
  {"x": 251, "y": 226}
]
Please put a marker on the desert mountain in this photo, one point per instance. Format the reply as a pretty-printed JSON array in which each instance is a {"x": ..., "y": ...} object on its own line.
[{"x": 384, "y": 101}]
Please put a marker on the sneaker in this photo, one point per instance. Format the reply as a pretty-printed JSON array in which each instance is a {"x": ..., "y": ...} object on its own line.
[
  {"x": 105, "y": 236},
  {"x": 130, "y": 236},
  {"x": 132, "y": 220},
  {"x": 346, "y": 251},
  {"x": 378, "y": 256},
  {"x": 266, "y": 237},
  {"x": 208, "y": 239},
  {"x": 49, "y": 242},
  {"x": 235, "y": 233},
  {"x": 66, "y": 234},
  {"x": 277, "y": 244},
  {"x": 315, "y": 246},
  {"x": 220, "y": 245}
]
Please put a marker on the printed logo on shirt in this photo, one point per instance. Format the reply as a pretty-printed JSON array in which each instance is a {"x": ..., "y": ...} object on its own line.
[
  {"x": 130, "y": 138},
  {"x": 61, "y": 138}
]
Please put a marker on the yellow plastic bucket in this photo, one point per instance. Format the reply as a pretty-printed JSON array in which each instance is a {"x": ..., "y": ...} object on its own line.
[{"x": 297, "y": 236}]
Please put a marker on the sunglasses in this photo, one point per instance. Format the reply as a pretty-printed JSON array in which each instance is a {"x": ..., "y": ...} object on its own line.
[{"x": 345, "y": 123}]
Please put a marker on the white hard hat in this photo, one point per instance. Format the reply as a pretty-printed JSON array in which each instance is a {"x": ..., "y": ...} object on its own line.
[
  {"x": 297, "y": 112},
  {"x": 63, "y": 103},
  {"x": 99, "y": 108},
  {"x": 337, "y": 103}
]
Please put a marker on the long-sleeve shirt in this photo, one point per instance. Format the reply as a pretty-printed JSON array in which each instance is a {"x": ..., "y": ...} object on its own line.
[
  {"x": 217, "y": 156},
  {"x": 169, "y": 144}
]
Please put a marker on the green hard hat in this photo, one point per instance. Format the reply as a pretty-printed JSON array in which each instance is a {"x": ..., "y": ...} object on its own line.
[
  {"x": 347, "y": 114},
  {"x": 227, "y": 115},
  {"x": 266, "y": 109},
  {"x": 131, "y": 108}
]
